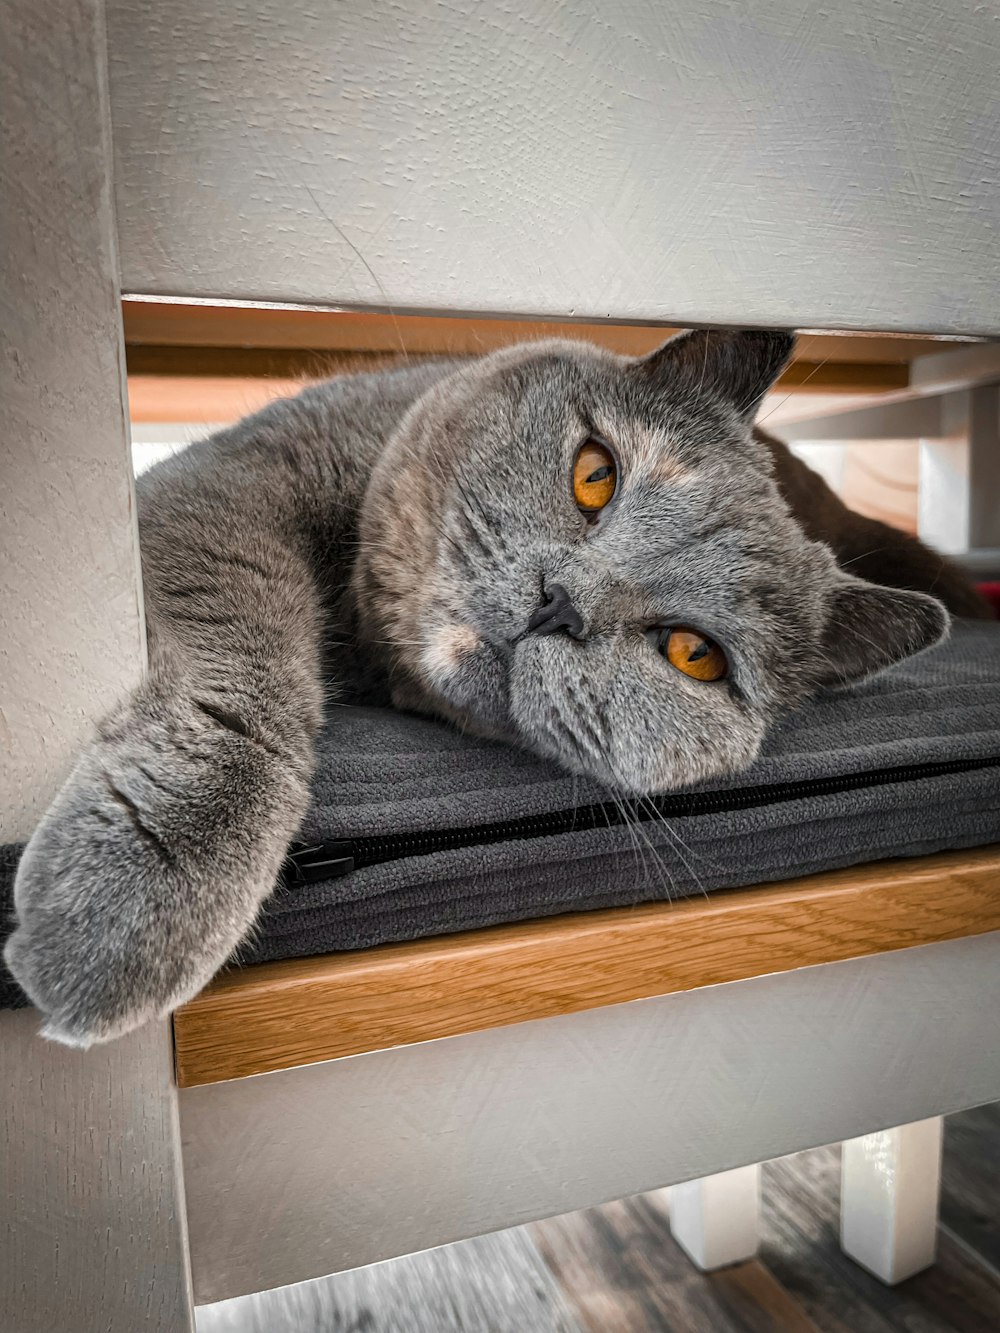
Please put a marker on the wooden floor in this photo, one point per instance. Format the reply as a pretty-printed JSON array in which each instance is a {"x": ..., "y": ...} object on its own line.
[{"x": 615, "y": 1269}]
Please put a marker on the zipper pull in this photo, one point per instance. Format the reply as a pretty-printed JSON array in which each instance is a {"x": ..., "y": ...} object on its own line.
[{"x": 311, "y": 863}]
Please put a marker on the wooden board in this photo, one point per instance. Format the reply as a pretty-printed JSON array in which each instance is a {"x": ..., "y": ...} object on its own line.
[
  {"x": 188, "y": 324},
  {"x": 970, "y": 1182},
  {"x": 203, "y": 400},
  {"x": 214, "y": 363},
  {"x": 329, "y": 1166},
  {"x": 279, "y": 1015},
  {"x": 800, "y": 1245},
  {"x": 213, "y": 389},
  {"x": 622, "y": 1270},
  {"x": 693, "y": 165},
  {"x": 809, "y": 376}
]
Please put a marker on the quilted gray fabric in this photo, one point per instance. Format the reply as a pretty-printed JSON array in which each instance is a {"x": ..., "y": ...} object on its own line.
[
  {"x": 386, "y": 773},
  {"x": 383, "y": 772}
]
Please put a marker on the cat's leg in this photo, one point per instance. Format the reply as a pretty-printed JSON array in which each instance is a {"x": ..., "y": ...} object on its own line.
[{"x": 152, "y": 862}]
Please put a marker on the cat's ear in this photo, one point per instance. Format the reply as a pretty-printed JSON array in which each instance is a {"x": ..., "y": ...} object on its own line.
[
  {"x": 870, "y": 627},
  {"x": 739, "y": 365}
]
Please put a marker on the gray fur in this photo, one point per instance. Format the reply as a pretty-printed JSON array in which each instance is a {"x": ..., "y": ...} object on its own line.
[{"x": 390, "y": 534}]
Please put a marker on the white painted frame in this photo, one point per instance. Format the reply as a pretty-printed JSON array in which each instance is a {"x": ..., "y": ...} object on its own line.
[
  {"x": 716, "y": 1219},
  {"x": 332, "y": 1165},
  {"x": 689, "y": 164},
  {"x": 94, "y": 1228},
  {"x": 889, "y": 1199},
  {"x": 953, "y": 408}
]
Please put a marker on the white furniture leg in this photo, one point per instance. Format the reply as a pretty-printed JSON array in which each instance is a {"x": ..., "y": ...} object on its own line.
[
  {"x": 715, "y": 1220},
  {"x": 94, "y": 1232},
  {"x": 889, "y": 1199},
  {"x": 92, "y": 1222}
]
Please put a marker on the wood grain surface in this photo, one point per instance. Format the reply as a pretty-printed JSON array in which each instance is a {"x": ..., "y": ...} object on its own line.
[
  {"x": 970, "y": 1181},
  {"x": 800, "y": 1247},
  {"x": 622, "y": 1270},
  {"x": 804, "y": 375},
  {"x": 491, "y": 1284},
  {"x": 278, "y": 1015},
  {"x": 211, "y": 391},
  {"x": 215, "y": 363},
  {"x": 186, "y": 324}
]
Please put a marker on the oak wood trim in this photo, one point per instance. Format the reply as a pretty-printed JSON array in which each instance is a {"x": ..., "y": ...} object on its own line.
[
  {"x": 226, "y": 397},
  {"x": 803, "y": 376},
  {"x": 187, "y": 324},
  {"x": 278, "y": 1015},
  {"x": 300, "y": 363}
]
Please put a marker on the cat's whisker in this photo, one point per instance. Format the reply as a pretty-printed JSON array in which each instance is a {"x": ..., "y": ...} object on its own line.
[
  {"x": 679, "y": 844},
  {"x": 662, "y": 868},
  {"x": 863, "y": 556},
  {"x": 798, "y": 389},
  {"x": 658, "y": 862},
  {"x": 636, "y": 845}
]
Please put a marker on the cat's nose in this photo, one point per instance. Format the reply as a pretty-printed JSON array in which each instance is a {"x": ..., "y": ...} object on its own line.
[{"x": 556, "y": 612}]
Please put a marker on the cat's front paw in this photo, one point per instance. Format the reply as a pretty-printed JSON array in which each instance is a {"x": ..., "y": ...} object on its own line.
[
  {"x": 101, "y": 946},
  {"x": 143, "y": 876},
  {"x": 73, "y": 959}
]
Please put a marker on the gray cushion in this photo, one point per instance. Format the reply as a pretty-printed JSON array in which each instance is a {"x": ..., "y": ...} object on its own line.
[
  {"x": 906, "y": 765},
  {"x": 867, "y": 758}
]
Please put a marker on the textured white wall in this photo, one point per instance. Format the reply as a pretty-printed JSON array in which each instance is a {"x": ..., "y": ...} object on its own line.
[{"x": 775, "y": 163}]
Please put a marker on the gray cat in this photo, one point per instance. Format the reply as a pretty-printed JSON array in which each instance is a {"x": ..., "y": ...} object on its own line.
[{"x": 591, "y": 556}]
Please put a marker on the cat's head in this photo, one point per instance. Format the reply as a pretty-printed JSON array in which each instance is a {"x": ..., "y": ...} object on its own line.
[{"x": 588, "y": 555}]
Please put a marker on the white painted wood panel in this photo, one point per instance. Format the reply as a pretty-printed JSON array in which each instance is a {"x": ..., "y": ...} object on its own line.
[
  {"x": 93, "y": 1238},
  {"x": 331, "y": 1166},
  {"x": 92, "y": 1228},
  {"x": 774, "y": 163},
  {"x": 71, "y": 631}
]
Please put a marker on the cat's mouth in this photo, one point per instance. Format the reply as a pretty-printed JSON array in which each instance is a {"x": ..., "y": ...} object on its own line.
[
  {"x": 594, "y": 708},
  {"x": 464, "y": 675}
]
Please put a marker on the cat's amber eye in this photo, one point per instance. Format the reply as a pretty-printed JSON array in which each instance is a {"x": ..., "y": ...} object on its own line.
[
  {"x": 692, "y": 652},
  {"x": 595, "y": 476}
]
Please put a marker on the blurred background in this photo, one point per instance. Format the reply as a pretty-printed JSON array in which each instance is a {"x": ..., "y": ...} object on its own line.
[{"x": 193, "y": 367}]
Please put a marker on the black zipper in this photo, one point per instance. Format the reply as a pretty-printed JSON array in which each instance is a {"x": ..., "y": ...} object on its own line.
[{"x": 310, "y": 863}]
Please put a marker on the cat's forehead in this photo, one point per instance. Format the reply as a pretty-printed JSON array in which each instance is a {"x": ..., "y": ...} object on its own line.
[
  {"x": 524, "y": 410},
  {"x": 557, "y": 370},
  {"x": 559, "y": 384},
  {"x": 552, "y": 354}
]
